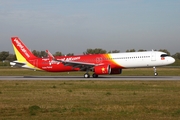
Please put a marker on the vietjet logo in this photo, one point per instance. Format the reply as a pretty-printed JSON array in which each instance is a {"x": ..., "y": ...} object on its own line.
[
  {"x": 70, "y": 58},
  {"x": 21, "y": 47},
  {"x": 103, "y": 70}
]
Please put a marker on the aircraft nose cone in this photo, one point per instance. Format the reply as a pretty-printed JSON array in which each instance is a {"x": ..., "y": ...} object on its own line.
[{"x": 172, "y": 60}]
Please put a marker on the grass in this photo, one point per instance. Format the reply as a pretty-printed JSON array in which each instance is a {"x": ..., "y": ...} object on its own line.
[
  {"x": 79, "y": 100},
  {"x": 162, "y": 71}
]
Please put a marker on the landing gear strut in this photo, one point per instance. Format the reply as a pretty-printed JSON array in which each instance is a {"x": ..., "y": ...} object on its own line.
[{"x": 155, "y": 73}]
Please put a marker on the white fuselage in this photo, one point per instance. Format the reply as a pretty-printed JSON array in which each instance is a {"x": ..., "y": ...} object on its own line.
[{"x": 142, "y": 59}]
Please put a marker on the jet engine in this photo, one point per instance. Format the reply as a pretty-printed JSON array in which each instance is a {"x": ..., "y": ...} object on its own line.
[{"x": 103, "y": 69}]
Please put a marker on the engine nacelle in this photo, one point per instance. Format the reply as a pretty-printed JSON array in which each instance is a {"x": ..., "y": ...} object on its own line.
[
  {"x": 104, "y": 69},
  {"x": 116, "y": 71}
]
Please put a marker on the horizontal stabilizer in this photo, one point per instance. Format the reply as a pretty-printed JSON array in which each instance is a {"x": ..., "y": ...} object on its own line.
[{"x": 16, "y": 63}]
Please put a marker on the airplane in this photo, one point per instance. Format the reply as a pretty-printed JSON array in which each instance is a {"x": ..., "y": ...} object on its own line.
[{"x": 100, "y": 64}]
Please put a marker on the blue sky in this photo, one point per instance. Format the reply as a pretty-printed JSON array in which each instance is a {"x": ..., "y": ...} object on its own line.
[{"x": 72, "y": 26}]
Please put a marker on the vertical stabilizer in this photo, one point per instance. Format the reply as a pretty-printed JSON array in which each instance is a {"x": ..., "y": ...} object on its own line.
[{"x": 22, "y": 52}]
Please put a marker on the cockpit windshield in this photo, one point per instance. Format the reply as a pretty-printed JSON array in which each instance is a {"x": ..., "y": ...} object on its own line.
[{"x": 164, "y": 55}]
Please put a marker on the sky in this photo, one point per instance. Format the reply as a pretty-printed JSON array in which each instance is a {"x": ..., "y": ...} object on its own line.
[{"x": 73, "y": 26}]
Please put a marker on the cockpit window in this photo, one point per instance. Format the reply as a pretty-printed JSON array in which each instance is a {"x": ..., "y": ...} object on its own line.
[{"x": 164, "y": 55}]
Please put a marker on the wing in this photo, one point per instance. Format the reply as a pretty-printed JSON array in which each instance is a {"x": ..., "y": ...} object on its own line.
[{"x": 75, "y": 64}]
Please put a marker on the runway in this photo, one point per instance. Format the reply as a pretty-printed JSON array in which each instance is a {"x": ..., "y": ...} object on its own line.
[{"x": 82, "y": 78}]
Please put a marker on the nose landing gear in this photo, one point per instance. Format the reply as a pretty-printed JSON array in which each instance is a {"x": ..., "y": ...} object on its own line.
[{"x": 155, "y": 73}]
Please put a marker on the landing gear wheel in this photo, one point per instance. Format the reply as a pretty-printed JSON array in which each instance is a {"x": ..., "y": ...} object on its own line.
[
  {"x": 86, "y": 75},
  {"x": 94, "y": 75},
  {"x": 155, "y": 74}
]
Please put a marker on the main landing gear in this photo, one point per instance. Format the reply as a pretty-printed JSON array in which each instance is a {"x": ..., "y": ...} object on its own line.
[
  {"x": 94, "y": 75},
  {"x": 87, "y": 75},
  {"x": 155, "y": 73}
]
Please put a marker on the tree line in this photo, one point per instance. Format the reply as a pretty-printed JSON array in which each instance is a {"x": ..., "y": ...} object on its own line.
[{"x": 6, "y": 56}]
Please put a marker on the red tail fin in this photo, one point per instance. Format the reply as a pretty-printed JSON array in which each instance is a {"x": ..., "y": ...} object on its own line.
[{"x": 21, "y": 51}]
